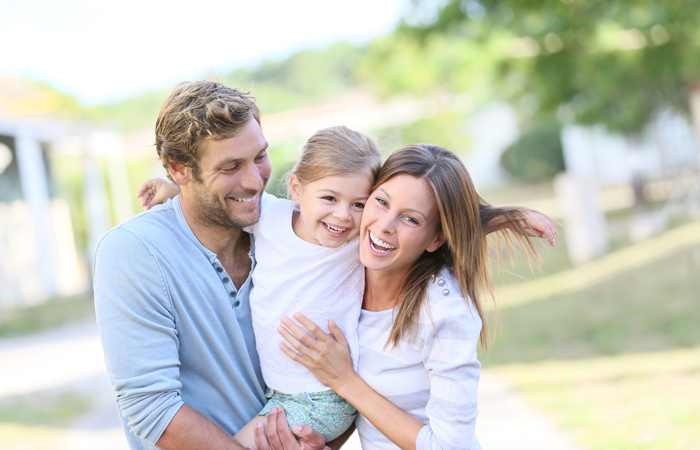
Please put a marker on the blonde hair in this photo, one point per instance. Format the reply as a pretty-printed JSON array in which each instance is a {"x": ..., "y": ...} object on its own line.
[
  {"x": 337, "y": 151},
  {"x": 198, "y": 111},
  {"x": 462, "y": 213}
]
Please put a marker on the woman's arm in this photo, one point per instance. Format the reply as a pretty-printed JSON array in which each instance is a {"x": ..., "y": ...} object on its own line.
[{"x": 329, "y": 360}]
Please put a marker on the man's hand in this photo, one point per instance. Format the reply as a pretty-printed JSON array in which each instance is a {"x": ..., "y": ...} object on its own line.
[{"x": 278, "y": 436}]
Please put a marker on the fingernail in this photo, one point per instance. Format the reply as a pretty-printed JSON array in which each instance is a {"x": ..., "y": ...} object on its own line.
[
  {"x": 273, "y": 411},
  {"x": 258, "y": 425},
  {"x": 297, "y": 315},
  {"x": 296, "y": 428}
]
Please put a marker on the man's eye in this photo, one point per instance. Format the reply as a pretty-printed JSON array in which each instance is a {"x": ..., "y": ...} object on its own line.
[
  {"x": 261, "y": 156},
  {"x": 230, "y": 169}
]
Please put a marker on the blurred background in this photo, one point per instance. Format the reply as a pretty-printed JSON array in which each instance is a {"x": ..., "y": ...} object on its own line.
[{"x": 586, "y": 110}]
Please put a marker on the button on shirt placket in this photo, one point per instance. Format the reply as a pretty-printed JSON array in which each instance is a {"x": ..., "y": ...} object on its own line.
[{"x": 229, "y": 286}]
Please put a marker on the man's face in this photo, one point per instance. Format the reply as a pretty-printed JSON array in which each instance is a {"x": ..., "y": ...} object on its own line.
[{"x": 234, "y": 173}]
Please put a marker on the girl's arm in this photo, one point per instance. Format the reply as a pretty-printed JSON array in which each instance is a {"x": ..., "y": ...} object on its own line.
[
  {"x": 156, "y": 191},
  {"x": 329, "y": 360},
  {"x": 521, "y": 221}
]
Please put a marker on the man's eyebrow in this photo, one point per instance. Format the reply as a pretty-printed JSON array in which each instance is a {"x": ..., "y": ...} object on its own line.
[
  {"x": 227, "y": 162},
  {"x": 408, "y": 209}
]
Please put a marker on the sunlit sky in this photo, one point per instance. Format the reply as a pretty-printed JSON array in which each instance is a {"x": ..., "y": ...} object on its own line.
[{"x": 103, "y": 51}]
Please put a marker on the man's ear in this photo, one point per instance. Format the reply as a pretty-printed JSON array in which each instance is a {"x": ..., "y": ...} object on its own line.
[
  {"x": 295, "y": 188},
  {"x": 437, "y": 242},
  {"x": 181, "y": 174}
]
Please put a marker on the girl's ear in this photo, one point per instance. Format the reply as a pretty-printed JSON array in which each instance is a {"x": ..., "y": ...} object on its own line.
[
  {"x": 437, "y": 243},
  {"x": 295, "y": 188}
]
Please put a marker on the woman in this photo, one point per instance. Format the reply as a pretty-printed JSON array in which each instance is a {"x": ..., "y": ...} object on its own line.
[{"x": 427, "y": 276}]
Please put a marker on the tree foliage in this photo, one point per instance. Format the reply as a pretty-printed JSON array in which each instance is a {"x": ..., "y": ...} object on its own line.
[
  {"x": 613, "y": 62},
  {"x": 537, "y": 155}
]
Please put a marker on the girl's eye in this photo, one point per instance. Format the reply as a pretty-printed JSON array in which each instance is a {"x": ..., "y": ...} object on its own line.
[
  {"x": 359, "y": 205},
  {"x": 329, "y": 198}
]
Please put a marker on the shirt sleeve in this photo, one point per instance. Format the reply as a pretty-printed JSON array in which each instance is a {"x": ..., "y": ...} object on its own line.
[
  {"x": 450, "y": 357},
  {"x": 137, "y": 328}
]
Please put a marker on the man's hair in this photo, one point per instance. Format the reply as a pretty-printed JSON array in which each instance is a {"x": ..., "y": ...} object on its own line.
[{"x": 195, "y": 112}]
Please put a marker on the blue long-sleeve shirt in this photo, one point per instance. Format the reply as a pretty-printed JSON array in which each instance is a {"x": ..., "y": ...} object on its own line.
[{"x": 174, "y": 328}]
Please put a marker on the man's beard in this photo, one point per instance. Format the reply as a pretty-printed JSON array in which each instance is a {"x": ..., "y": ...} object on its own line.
[{"x": 212, "y": 212}]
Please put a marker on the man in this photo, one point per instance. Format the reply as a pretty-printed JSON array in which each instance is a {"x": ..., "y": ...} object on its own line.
[{"x": 172, "y": 284}]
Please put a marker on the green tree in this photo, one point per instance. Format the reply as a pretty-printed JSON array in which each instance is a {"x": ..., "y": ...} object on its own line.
[{"x": 612, "y": 62}]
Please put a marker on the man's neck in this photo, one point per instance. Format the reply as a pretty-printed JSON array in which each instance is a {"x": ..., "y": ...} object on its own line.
[{"x": 230, "y": 244}]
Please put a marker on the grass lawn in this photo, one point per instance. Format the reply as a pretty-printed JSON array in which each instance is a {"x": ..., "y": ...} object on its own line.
[
  {"x": 46, "y": 315},
  {"x": 39, "y": 421},
  {"x": 615, "y": 361}
]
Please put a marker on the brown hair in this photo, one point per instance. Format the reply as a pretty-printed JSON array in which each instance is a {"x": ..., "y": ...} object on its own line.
[
  {"x": 337, "y": 151},
  {"x": 462, "y": 213},
  {"x": 198, "y": 111}
]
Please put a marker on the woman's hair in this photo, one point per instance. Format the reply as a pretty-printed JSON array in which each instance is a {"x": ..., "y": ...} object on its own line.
[
  {"x": 462, "y": 213},
  {"x": 196, "y": 112},
  {"x": 337, "y": 151}
]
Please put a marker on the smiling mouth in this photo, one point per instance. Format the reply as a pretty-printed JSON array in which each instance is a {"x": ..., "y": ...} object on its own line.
[
  {"x": 334, "y": 230},
  {"x": 244, "y": 199},
  {"x": 380, "y": 246}
]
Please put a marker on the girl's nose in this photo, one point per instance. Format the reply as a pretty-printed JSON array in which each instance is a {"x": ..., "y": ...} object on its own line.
[{"x": 341, "y": 213}]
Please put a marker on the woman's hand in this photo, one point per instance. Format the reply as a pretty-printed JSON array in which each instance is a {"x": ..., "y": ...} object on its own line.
[
  {"x": 156, "y": 191},
  {"x": 327, "y": 357}
]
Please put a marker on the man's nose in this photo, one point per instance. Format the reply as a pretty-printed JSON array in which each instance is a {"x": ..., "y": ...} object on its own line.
[{"x": 251, "y": 178}]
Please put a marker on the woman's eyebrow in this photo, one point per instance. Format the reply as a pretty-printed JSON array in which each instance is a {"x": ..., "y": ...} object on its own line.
[{"x": 385, "y": 192}]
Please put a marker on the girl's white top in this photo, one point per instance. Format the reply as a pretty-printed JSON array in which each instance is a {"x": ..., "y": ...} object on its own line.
[
  {"x": 293, "y": 275},
  {"x": 433, "y": 377}
]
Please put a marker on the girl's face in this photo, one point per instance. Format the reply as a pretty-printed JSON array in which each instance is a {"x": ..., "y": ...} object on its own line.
[
  {"x": 399, "y": 223},
  {"x": 330, "y": 208}
]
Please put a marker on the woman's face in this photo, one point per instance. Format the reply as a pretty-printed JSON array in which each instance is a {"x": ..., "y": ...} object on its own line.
[{"x": 399, "y": 223}]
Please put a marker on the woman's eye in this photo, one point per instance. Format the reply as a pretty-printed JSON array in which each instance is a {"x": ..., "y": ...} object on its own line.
[
  {"x": 381, "y": 201},
  {"x": 411, "y": 220}
]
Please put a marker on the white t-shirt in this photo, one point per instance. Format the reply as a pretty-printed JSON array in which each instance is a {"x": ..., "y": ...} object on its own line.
[
  {"x": 433, "y": 377},
  {"x": 293, "y": 275}
]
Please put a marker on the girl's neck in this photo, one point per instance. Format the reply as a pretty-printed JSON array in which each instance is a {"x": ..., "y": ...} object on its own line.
[{"x": 381, "y": 290}]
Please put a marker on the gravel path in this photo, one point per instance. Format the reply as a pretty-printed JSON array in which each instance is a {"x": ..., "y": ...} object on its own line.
[{"x": 70, "y": 358}]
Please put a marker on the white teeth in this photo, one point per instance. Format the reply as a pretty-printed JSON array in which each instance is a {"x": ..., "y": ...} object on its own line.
[
  {"x": 244, "y": 200},
  {"x": 384, "y": 247},
  {"x": 334, "y": 229}
]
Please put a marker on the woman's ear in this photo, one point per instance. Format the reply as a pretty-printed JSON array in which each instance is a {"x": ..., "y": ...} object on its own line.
[
  {"x": 295, "y": 188},
  {"x": 436, "y": 243}
]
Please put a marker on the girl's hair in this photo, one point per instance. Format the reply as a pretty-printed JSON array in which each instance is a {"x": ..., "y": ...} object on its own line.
[
  {"x": 462, "y": 213},
  {"x": 337, "y": 151}
]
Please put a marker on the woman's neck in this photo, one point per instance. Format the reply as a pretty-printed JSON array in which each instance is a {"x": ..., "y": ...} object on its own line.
[{"x": 381, "y": 290}]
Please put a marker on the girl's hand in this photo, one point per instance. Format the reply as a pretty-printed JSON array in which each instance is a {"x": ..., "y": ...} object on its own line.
[
  {"x": 327, "y": 357},
  {"x": 538, "y": 225},
  {"x": 156, "y": 191}
]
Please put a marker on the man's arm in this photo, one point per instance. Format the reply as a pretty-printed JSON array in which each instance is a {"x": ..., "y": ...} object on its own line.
[
  {"x": 141, "y": 343},
  {"x": 191, "y": 430}
]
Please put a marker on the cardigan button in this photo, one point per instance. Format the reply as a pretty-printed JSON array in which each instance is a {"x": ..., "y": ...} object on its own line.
[
  {"x": 441, "y": 282},
  {"x": 446, "y": 292}
]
